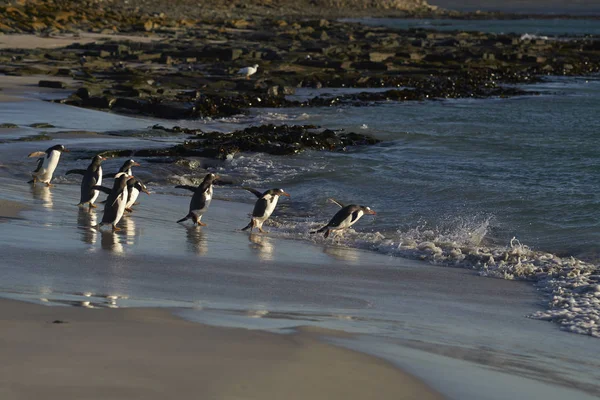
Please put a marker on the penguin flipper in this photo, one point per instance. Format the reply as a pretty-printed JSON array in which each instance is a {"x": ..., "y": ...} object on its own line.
[
  {"x": 188, "y": 187},
  {"x": 334, "y": 201},
  {"x": 37, "y": 154},
  {"x": 102, "y": 189},
  {"x": 250, "y": 225},
  {"x": 320, "y": 230},
  {"x": 76, "y": 171},
  {"x": 256, "y": 192}
]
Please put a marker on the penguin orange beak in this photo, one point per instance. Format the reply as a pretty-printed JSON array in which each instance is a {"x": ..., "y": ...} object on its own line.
[
  {"x": 286, "y": 194},
  {"x": 130, "y": 177},
  {"x": 217, "y": 177},
  {"x": 66, "y": 151},
  {"x": 146, "y": 191},
  {"x": 136, "y": 164},
  {"x": 371, "y": 212},
  {"x": 102, "y": 158}
]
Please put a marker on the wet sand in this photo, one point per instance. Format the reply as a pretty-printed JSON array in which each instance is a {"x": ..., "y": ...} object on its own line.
[
  {"x": 63, "y": 352},
  {"x": 10, "y": 209}
]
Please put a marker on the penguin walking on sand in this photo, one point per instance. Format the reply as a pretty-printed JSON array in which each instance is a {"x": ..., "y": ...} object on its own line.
[
  {"x": 264, "y": 207},
  {"x": 46, "y": 164},
  {"x": 134, "y": 187},
  {"x": 92, "y": 176},
  {"x": 114, "y": 207},
  {"x": 345, "y": 218},
  {"x": 200, "y": 200}
]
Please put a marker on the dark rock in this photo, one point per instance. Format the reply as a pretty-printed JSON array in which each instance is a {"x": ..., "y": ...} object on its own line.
[{"x": 52, "y": 84}]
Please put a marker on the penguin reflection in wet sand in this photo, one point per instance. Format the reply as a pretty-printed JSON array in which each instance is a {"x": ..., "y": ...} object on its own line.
[
  {"x": 114, "y": 207},
  {"x": 264, "y": 207},
  {"x": 200, "y": 200},
  {"x": 134, "y": 187},
  {"x": 46, "y": 164},
  {"x": 344, "y": 218},
  {"x": 92, "y": 176}
]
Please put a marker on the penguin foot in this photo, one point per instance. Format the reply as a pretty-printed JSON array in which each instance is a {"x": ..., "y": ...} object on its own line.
[
  {"x": 128, "y": 209},
  {"x": 201, "y": 223},
  {"x": 261, "y": 230},
  {"x": 115, "y": 229},
  {"x": 48, "y": 184},
  {"x": 93, "y": 205}
]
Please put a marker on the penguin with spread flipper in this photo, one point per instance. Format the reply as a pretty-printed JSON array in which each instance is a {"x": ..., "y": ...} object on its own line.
[
  {"x": 114, "y": 207},
  {"x": 264, "y": 207},
  {"x": 92, "y": 176},
  {"x": 344, "y": 218},
  {"x": 47, "y": 163},
  {"x": 200, "y": 200}
]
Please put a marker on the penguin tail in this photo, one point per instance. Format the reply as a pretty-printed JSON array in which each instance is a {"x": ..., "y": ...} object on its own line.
[
  {"x": 249, "y": 226},
  {"x": 326, "y": 235},
  {"x": 320, "y": 230},
  {"x": 185, "y": 218}
]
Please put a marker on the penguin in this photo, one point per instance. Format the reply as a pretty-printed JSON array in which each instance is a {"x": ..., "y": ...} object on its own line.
[
  {"x": 201, "y": 198},
  {"x": 46, "y": 164},
  {"x": 264, "y": 207},
  {"x": 114, "y": 207},
  {"x": 344, "y": 218},
  {"x": 134, "y": 187},
  {"x": 126, "y": 168},
  {"x": 92, "y": 176}
]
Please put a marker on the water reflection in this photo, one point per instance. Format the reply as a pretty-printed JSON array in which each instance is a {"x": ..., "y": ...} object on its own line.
[
  {"x": 110, "y": 241},
  {"x": 86, "y": 220},
  {"x": 341, "y": 253},
  {"x": 42, "y": 194},
  {"x": 196, "y": 240},
  {"x": 127, "y": 226},
  {"x": 262, "y": 244}
]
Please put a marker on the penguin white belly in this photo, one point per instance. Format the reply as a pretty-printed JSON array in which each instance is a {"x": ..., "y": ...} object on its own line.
[
  {"x": 98, "y": 183},
  {"x": 347, "y": 223},
  {"x": 48, "y": 167},
  {"x": 122, "y": 202},
  {"x": 134, "y": 195},
  {"x": 207, "y": 199}
]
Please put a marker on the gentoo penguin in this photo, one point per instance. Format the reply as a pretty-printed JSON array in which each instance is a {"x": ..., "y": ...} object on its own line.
[
  {"x": 126, "y": 167},
  {"x": 201, "y": 198},
  {"x": 344, "y": 218},
  {"x": 92, "y": 176},
  {"x": 134, "y": 187},
  {"x": 247, "y": 71},
  {"x": 46, "y": 164},
  {"x": 114, "y": 207},
  {"x": 264, "y": 207}
]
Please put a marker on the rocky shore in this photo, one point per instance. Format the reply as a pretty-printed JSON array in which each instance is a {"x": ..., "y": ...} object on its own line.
[{"x": 187, "y": 67}]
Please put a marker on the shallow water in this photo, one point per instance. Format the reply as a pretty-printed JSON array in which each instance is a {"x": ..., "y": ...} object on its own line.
[{"x": 539, "y": 27}]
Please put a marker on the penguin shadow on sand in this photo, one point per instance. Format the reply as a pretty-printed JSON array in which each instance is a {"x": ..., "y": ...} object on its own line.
[
  {"x": 86, "y": 220},
  {"x": 263, "y": 245},
  {"x": 196, "y": 239},
  {"x": 43, "y": 195}
]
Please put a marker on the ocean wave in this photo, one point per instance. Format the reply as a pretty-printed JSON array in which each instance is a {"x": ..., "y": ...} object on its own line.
[{"x": 571, "y": 285}]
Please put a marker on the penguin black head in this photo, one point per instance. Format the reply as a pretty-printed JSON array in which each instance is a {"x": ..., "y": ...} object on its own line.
[
  {"x": 58, "y": 147},
  {"x": 121, "y": 180},
  {"x": 278, "y": 192},
  {"x": 210, "y": 178},
  {"x": 128, "y": 164},
  {"x": 97, "y": 160},
  {"x": 367, "y": 210},
  {"x": 139, "y": 185}
]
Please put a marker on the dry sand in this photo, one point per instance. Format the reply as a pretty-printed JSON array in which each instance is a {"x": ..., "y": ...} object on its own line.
[
  {"x": 28, "y": 41},
  {"x": 151, "y": 354}
]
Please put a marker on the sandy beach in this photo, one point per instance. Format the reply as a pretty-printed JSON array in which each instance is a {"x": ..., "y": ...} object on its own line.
[
  {"x": 63, "y": 352},
  {"x": 161, "y": 310}
]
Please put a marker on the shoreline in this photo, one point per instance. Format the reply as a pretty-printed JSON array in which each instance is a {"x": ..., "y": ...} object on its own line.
[{"x": 68, "y": 351}]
